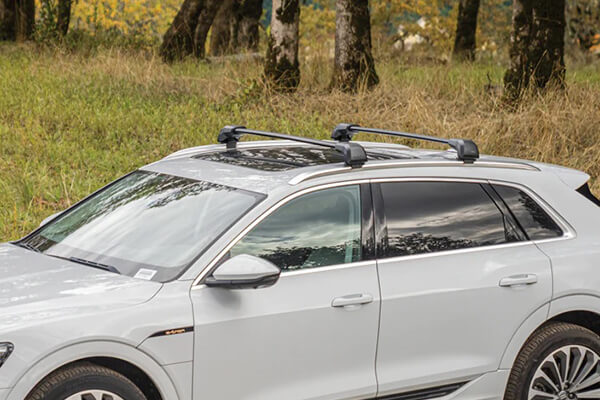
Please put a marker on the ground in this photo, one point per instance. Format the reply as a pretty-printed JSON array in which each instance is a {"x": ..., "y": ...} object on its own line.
[{"x": 71, "y": 122}]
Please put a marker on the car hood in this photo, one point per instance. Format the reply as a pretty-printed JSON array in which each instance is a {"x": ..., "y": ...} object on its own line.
[{"x": 35, "y": 287}]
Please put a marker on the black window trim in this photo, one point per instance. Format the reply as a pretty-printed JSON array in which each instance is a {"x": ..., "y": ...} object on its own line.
[{"x": 381, "y": 236}]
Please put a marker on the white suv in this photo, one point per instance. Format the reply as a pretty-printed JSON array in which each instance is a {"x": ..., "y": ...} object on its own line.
[{"x": 308, "y": 269}]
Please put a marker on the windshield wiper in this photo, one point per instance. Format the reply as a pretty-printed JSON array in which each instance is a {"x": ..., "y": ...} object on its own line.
[
  {"x": 93, "y": 264},
  {"x": 28, "y": 246}
]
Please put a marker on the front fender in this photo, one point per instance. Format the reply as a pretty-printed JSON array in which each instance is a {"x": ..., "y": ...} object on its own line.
[{"x": 48, "y": 364}]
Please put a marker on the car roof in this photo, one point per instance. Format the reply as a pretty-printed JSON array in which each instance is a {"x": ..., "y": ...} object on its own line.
[{"x": 264, "y": 166}]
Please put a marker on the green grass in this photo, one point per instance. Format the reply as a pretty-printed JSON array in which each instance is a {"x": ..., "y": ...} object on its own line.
[{"x": 71, "y": 123}]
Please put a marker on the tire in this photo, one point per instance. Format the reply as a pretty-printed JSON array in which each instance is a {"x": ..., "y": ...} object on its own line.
[
  {"x": 553, "y": 364},
  {"x": 86, "y": 381}
]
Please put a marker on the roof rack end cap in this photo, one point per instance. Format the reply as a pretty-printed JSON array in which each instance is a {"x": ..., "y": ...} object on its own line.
[{"x": 466, "y": 149}]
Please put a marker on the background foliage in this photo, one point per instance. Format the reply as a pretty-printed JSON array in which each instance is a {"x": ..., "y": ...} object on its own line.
[{"x": 78, "y": 113}]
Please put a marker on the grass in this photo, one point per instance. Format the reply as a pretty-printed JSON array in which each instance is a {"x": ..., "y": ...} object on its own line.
[{"x": 70, "y": 123}]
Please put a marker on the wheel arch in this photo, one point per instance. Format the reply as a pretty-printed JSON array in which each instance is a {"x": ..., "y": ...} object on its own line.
[
  {"x": 581, "y": 310},
  {"x": 122, "y": 358}
]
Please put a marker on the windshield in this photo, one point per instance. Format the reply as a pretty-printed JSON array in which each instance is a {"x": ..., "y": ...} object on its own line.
[{"x": 147, "y": 225}]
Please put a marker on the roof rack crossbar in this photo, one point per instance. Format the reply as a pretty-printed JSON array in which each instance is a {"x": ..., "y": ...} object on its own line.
[
  {"x": 353, "y": 153},
  {"x": 466, "y": 150}
]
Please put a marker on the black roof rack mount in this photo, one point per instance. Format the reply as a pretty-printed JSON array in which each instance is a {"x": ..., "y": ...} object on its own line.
[
  {"x": 466, "y": 150},
  {"x": 353, "y": 153}
]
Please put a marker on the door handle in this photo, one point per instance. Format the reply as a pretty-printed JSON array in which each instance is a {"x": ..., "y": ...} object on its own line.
[
  {"x": 352, "y": 300},
  {"x": 519, "y": 280}
]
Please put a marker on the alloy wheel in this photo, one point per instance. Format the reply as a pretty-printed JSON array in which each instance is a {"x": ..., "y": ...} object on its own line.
[
  {"x": 94, "y": 395},
  {"x": 569, "y": 373}
]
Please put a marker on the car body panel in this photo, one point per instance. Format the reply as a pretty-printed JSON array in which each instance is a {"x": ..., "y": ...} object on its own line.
[
  {"x": 444, "y": 315},
  {"x": 287, "y": 341},
  {"x": 533, "y": 322},
  {"x": 96, "y": 348}
]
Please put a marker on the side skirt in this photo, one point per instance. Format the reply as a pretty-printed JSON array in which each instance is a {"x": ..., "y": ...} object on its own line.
[{"x": 425, "y": 394}]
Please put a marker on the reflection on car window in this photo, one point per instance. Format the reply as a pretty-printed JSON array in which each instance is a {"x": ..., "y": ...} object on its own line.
[
  {"x": 315, "y": 230},
  {"x": 426, "y": 217},
  {"x": 145, "y": 220},
  {"x": 532, "y": 217}
]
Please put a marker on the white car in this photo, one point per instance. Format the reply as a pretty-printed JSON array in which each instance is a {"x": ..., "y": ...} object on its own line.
[{"x": 308, "y": 269}]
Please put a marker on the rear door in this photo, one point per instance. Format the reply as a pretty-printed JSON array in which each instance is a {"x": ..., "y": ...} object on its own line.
[
  {"x": 313, "y": 335},
  {"x": 458, "y": 277}
]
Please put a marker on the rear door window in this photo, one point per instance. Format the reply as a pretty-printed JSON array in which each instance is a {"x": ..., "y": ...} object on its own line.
[
  {"x": 529, "y": 214},
  {"x": 428, "y": 217}
]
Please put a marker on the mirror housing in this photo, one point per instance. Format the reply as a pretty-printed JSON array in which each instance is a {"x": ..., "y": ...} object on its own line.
[
  {"x": 244, "y": 272},
  {"x": 48, "y": 219}
]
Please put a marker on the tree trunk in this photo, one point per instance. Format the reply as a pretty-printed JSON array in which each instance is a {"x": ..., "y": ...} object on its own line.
[
  {"x": 205, "y": 20},
  {"x": 223, "y": 37},
  {"x": 548, "y": 43},
  {"x": 248, "y": 33},
  {"x": 517, "y": 76},
  {"x": 24, "y": 19},
  {"x": 191, "y": 25},
  {"x": 282, "y": 68},
  {"x": 7, "y": 20},
  {"x": 63, "y": 17},
  {"x": 537, "y": 47},
  {"x": 466, "y": 30},
  {"x": 236, "y": 27},
  {"x": 353, "y": 65}
]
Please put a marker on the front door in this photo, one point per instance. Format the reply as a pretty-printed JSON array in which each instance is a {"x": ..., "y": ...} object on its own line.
[
  {"x": 458, "y": 278},
  {"x": 313, "y": 335}
]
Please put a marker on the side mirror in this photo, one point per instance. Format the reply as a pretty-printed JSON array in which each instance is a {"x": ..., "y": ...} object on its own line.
[
  {"x": 244, "y": 272},
  {"x": 50, "y": 218}
]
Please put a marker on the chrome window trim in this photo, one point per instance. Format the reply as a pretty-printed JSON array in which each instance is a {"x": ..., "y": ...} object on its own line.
[
  {"x": 304, "y": 271},
  {"x": 210, "y": 267},
  {"x": 373, "y": 165},
  {"x": 568, "y": 231},
  {"x": 356, "y": 264},
  {"x": 454, "y": 251}
]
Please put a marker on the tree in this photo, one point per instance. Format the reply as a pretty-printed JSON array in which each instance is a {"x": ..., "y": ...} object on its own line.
[
  {"x": 189, "y": 29},
  {"x": 24, "y": 19},
  {"x": 249, "y": 22},
  {"x": 282, "y": 68},
  {"x": 7, "y": 20},
  {"x": 353, "y": 63},
  {"x": 537, "y": 47},
  {"x": 17, "y": 19},
  {"x": 466, "y": 30},
  {"x": 63, "y": 16},
  {"x": 236, "y": 27},
  {"x": 224, "y": 34}
]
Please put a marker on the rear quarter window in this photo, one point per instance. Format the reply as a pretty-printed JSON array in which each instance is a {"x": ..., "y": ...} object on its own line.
[{"x": 534, "y": 220}]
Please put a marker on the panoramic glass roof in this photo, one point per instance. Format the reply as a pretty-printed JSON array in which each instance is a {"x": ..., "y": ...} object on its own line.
[{"x": 284, "y": 158}]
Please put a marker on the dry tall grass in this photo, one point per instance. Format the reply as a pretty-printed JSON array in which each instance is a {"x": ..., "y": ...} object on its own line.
[{"x": 69, "y": 123}]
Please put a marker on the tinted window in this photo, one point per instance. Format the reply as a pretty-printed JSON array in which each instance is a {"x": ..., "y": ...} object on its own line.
[
  {"x": 532, "y": 217},
  {"x": 146, "y": 220},
  {"x": 283, "y": 158},
  {"x": 426, "y": 217},
  {"x": 315, "y": 230}
]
